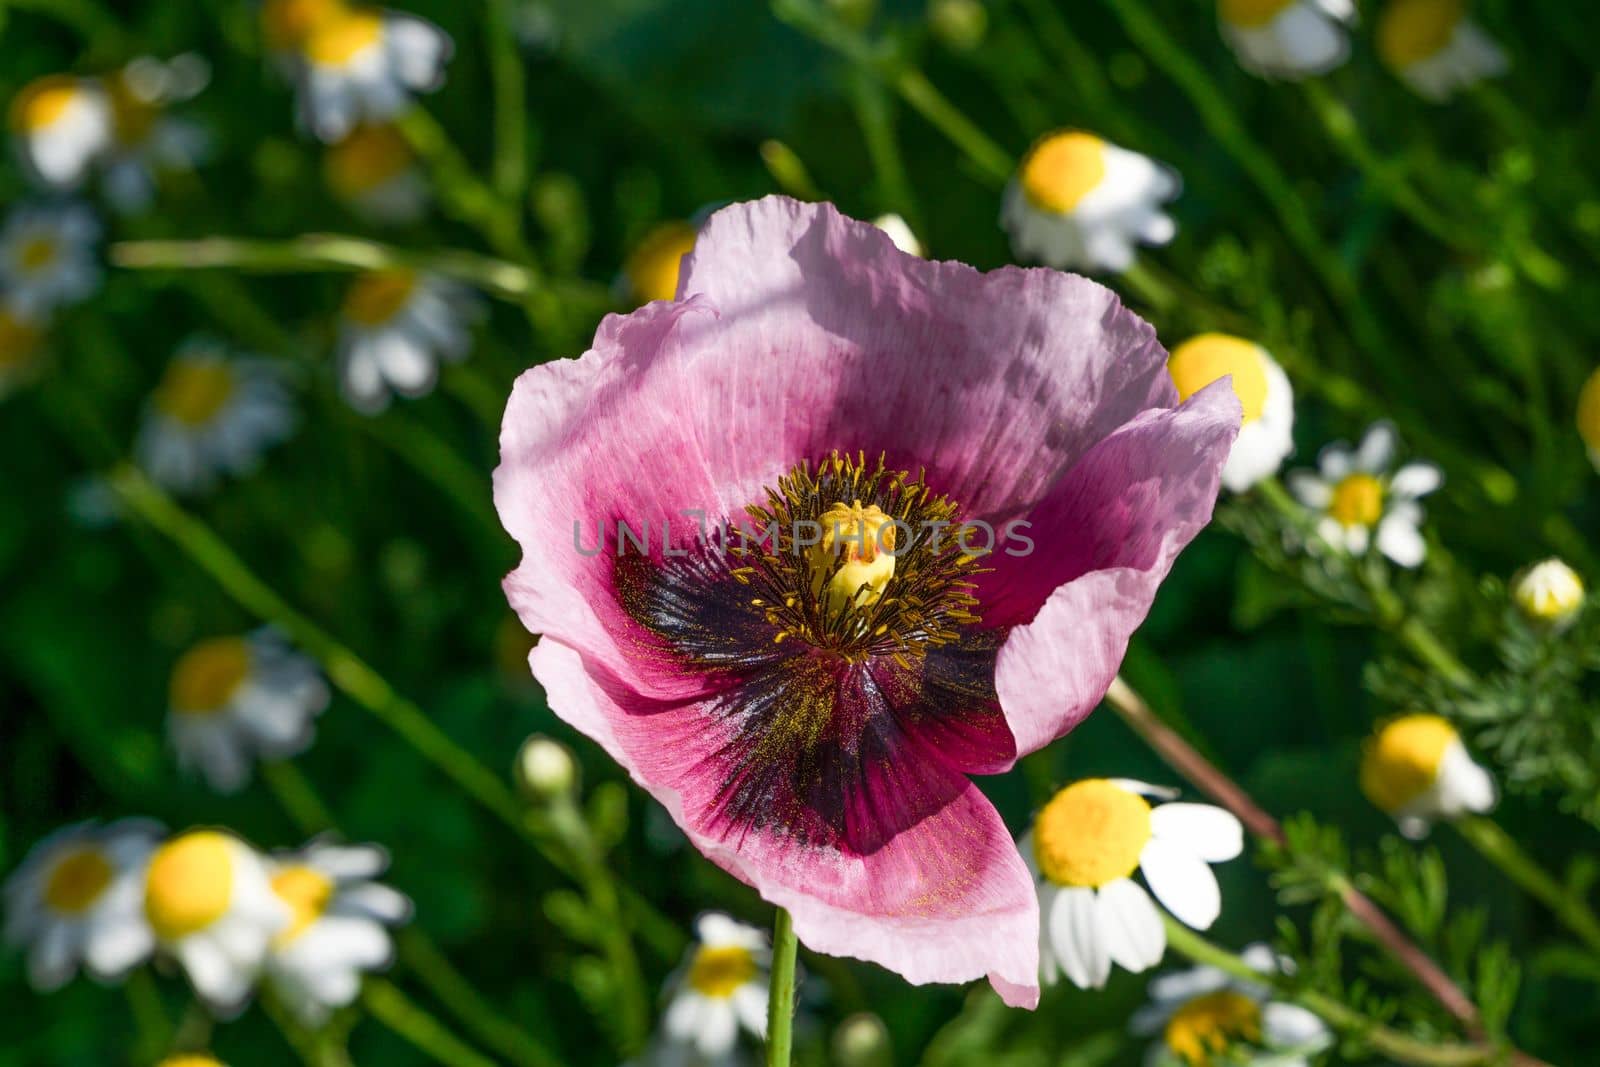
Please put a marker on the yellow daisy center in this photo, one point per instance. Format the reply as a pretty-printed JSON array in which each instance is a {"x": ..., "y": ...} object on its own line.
[
  {"x": 18, "y": 341},
  {"x": 863, "y": 538},
  {"x": 652, "y": 268},
  {"x": 1413, "y": 30},
  {"x": 194, "y": 391},
  {"x": 377, "y": 297},
  {"x": 42, "y": 104},
  {"x": 38, "y": 253},
  {"x": 287, "y": 24},
  {"x": 344, "y": 36},
  {"x": 1402, "y": 760},
  {"x": 190, "y": 1060},
  {"x": 308, "y": 892},
  {"x": 1091, "y": 833},
  {"x": 189, "y": 884},
  {"x": 209, "y": 674},
  {"x": 1589, "y": 411},
  {"x": 1201, "y": 360},
  {"x": 717, "y": 971},
  {"x": 1204, "y": 1028},
  {"x": 369, "y": 157},
  {"x": 1251, "y": 13},
  {"x": 1061, "y": 169},
  {"x": 77, "y": 880},
  {"x": 1357, "y": 501}
]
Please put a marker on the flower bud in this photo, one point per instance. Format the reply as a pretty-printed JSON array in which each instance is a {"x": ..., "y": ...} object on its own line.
[
  {"x": 959, "y": 24},
  {"x": 546, "y": 771},
  {"x": 861, "y": 1041},
  {"x": 1549, "y": 593}
]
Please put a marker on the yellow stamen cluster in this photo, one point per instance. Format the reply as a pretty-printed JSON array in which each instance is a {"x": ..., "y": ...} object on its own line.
[
  {"x": 189, "y": 884},
  {"x": 1202, "y": 360},
  {"x": 718, "y": 970},
  {"x": 77, "y": 880},
  {"x": 1357, "y": 500},
  {"x": 194, "y": 391},
  {"x": 652, "y": 268},
  {"x": 1401, "y": 762},
  {"x": 307, "y": 892},
  {"x": 376, "y": 297},
  {"x": 1410, "y": 31},
  {"x": 1203, "y": 1030},
  {"x": 371, "y": 156},
  {"x": 209, "y": 674},
  {"x": 855, "y": 560},
  {"x": 1091, "y": 833},
  {"x": 1061, "y": 169}
]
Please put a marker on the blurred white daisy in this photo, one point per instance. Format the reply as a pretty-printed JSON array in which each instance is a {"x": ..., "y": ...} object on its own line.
[
  {"x": 900, "y": 233},
  {"x": 146, "y": 140},
  {"x": 213, "y": 413},
  {"x": 363, "y": 64},
  {"x": 375, "y": 172},
  {"x": 721, "y": 987},
  {"x": 208, "y": 900},
  {"x": 77, "y": 899},
  {"x": 47, "y": 256},
  {"x": 1589, "y": 417},
  {"x": 1549, "y": 593},
  {"x": 1434, "y": 48},
  {"x": 1083, "y": 850},
  {"x": 338, "y": 928},
  {"x": 61, "y": 124},
  {"x": 21, "y": 344},
  {"x": 1205, "y": 1016},
  {"x": 1079, "y": 203},
  {"x": 395, "y": 328},
  {"x": 651, "y": 270},
  {"x": 1267, "y": 436},
  {"x": 1362, "y": 501},
  {"x": 1416, "y": 769},
  {"x": 234, "y": 700},
  {"x": 1287, "y": 38}
]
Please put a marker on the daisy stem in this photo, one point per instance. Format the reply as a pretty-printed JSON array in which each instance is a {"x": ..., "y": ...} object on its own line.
[
  {"x": 464, "y": 195},
  {"x": 386, "y": 1003},
  {"x": 153, "y": 1030},
  {"x": 1502, "y": 850},
  {"x": 780, "y": 997},
  {"x": 1392, "y": 1043},
  {"x": 510, "y": 170}
]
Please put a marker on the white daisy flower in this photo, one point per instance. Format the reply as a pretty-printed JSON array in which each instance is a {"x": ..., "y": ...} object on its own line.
[
  {"x": 395, "y": 329},
  {"x": 1356, "y": 493},
  {"x": 76, "y": 898},
  {"x": 338, "y": 929},
  {"x": 1287, "y": 39},
  {"x": 375, "y": 172},
  {"x": 1079, "y": 203},
  {"x": 1434, "y": 48},
  {"x": 721, "y": 987},
  {"x": 61, "y": 125},
  {"x": 234, "y": 700},
  {"x": 1589, "y": 417},
  {"x": 47, "y": 256},
  {"x": 1267, "y": 436},
  {"x": 363, "y": 65},
  {"x": 147, "y": 141},
  {"x": 1549, "y": 593},
  {"x": 1205, "y": 1016},
  {"x": 1416, "y": 769},
  {"x": 21, "y": 344},
  {"x": 1083, "y": 849},
  {"x": 651, "y": 270},
  {"x": 212, "y": 414},
  {"x": 900, "y": 233},
  {"x": 208, "y": 900}
]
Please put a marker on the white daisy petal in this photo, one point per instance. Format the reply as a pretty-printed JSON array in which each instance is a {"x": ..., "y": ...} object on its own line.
[
  {"x": 1134, "y": 935},
  {"x": 1076, "y": 940},
  {"x": 1182, "y": 882},
  {"x": 1208, "y": 831},
  {"x": 1377, "y": 449},
  {"x": 1400, "y": 540},
  {"x": 1416, "y": 479}
]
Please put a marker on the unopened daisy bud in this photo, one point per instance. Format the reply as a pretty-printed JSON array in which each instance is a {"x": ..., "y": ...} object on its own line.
[
  {"x": 651, "y": 271},
  {"x": 1267, "y": 402},
  {"x": 900, "y": 233},
  {"x": 1589, "y": 417},
  {"x": 1434, "y": 48},
  {"x": 546, "y": 771},
  {"x": 1080, "y": 203},
  {"x": 1287, "y": 38},
  {"x": 1550, "y": 593},
  {"x": 863, "y": 539},
  {"x": 960, "y": 24},
  {"x": 861, "y": 1041},
  {"x": 1416, "y": 769}
]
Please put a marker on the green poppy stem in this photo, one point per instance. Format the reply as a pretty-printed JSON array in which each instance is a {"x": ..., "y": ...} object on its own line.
[{"x": 780, "y": 1001}]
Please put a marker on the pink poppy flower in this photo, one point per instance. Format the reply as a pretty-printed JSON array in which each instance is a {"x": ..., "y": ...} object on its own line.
[{"x": 811, "y": 718}]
